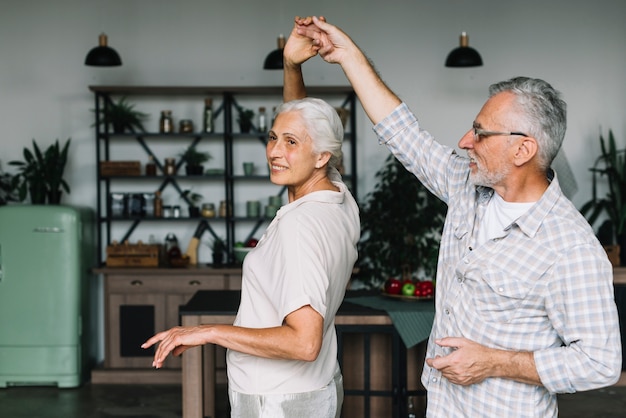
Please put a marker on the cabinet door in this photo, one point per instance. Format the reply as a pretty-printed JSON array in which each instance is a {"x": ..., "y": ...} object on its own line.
[{"x": 133, "y": 318}]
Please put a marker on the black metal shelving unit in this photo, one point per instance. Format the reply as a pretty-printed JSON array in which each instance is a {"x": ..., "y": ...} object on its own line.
[{"x": 227, "y": 108}]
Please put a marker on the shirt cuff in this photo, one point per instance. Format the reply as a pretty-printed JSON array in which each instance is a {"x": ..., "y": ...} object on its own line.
[{"x": 394, "y": 123}]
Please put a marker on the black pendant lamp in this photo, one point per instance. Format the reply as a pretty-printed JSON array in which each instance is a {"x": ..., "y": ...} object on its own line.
[
  {"x": 464, "y": 56},
  {"x": 274, "y": 60},
  {"x": 103, "y": 55}
]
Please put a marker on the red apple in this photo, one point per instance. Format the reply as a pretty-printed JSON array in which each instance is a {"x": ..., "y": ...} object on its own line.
[
  {"x": 426, "y": 288},
  {"x": 252, "y": 242},
  {"x": 393, "y": 286}
]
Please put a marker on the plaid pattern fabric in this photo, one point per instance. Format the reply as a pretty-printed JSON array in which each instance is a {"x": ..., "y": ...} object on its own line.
[{"x": 545, "y": 287}]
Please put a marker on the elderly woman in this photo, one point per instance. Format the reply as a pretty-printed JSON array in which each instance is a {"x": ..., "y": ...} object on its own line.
[{"x": 282, "y": 348}]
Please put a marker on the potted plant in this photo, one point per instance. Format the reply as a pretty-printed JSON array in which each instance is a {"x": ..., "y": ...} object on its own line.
[
  {"x": 389, "y": 248},
  {"x": 610, "y": 164},
  {"x": 192, "y": 199},
  {"x": 218, "y": 247},
  {"x": 194, "y": 160},
  {"x": 244, "y": 119},
  {"x": 7, "y": 190},
  {"x": 41, "y": 173},
  {"x": 122, "y": 116}
]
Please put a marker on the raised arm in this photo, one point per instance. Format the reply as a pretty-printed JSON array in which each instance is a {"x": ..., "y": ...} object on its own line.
[
  {"x": 298, "y": 49},
  {"x": 334, "y": 46}
]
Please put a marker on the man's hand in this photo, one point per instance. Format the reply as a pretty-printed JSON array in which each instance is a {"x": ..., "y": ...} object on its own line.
[
  {"x": 471, "y": 363},
  {"x": 468, "y": 363},
  {"x": 331, "y": 42}
]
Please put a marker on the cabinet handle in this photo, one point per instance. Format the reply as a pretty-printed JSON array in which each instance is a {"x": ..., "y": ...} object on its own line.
[
  {"x": 194, "y": 283},
  {"x": 136, "y": 283}
]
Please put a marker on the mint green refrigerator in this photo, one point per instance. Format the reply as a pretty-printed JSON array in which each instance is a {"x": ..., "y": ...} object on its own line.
[{"x": 46, "y": 253}]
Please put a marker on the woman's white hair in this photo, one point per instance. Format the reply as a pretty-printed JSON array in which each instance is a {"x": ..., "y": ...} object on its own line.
[{"x": 322, "y": 123}]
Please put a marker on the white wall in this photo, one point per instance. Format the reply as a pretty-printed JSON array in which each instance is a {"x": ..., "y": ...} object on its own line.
[{"x": 577, "y": 45}]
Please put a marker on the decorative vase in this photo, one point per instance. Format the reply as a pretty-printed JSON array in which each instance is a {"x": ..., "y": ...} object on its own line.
[
  {"x": 245, "y": 126},
  {"x": 194, "y": 212},
  {"x": 218, "y": 259},
  {"x": 54, "y": 197},
  {"x": 37, "y": 195},
  {"x": 194, "y": 170}
]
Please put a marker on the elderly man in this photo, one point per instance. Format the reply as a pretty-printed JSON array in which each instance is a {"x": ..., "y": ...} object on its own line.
[{"x": 524, "y": 306}]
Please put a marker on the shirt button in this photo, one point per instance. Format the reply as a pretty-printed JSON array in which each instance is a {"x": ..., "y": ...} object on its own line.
[
  {"x": 434, "y": 380},
  {"x": 446, "y": 311},
  {"x": 501, "y": 289},
  {"x": 466, "y": 261}
]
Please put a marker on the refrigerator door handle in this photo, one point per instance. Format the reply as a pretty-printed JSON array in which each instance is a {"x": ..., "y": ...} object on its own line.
[
  {"x": 1, "y": 271},
  {"x": 48, "y": 229}
]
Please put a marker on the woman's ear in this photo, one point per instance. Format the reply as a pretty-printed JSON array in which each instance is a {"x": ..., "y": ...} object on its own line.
[{"x": 322, "y": 159}]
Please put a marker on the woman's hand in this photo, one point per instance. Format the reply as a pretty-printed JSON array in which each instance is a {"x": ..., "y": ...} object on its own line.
[
  {"x": 299, "y": 48},
  {"x": 332, "y": 44},
  {"x": 175, "y": 340}
]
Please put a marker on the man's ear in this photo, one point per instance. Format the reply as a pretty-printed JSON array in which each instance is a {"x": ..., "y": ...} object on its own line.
[{"x": 526, "y": 150}]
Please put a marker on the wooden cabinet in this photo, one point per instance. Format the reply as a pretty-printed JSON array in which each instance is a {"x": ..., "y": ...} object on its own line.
[{"x": 138, "y": 303}]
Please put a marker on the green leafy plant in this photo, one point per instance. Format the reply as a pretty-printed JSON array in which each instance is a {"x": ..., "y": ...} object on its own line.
[
  {"x": 7, "y": 190},
  {"x": 41, "y": 173},
  {"x": 194, "y": 160},
  {"x": 401, "y": 223},
  {"x": 122, "y": 116},
  {"x": 191, "y": 197},
  {"x": 194, "y": 157},
  {"x": 218, "y": 245},
  {"x": 611, "y": 164},
  {"x": 244, "y": 118}
]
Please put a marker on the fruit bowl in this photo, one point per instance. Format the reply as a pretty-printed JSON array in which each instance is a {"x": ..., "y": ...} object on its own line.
[
  {"x": 241, "y": 252},
  {"x": 406, "y": 298}
]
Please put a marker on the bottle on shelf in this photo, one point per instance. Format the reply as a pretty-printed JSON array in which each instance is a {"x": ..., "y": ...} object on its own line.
[
  {"x": 170, "y": 167},
  {"x": 158, "y": 205},
  {"x": 166, "y": 124},
  {"x": 150, "y": 167},
  {"x": 262, "y": 120},
  {"x": 224, "y": 210},
  {"x": 207, "y": 122}
]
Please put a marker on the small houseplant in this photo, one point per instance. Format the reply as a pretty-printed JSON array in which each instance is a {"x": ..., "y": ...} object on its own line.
[
  {"x": 244, "y": 119},
  {"x": 194, "y": 160},
  {"x": 611, "y": 164},
  {"x": 122, "y": 116},
  {"x": 192, "y": 199},
  {"x": 393, "y": 248},
  {"x": 7, "y": 190},
  {"x": 41, "y": 173},
  {"x": 218, "y": 247}
]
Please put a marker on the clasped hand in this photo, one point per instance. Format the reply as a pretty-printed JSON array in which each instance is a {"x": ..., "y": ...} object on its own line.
[{"x": 468, "y": 362}]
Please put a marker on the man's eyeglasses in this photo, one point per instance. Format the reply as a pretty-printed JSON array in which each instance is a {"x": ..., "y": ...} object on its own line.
[{"x": 482, "y": 133}]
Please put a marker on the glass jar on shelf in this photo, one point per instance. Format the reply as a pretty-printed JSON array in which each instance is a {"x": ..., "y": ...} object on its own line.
[
  {"x": 170, "y": 167},
  {"x": 166, "y": 123},
  {"x": 208, "y": 210}
]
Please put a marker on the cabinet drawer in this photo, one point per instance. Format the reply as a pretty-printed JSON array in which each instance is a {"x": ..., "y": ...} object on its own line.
[{"x": 169, "y": 285}]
